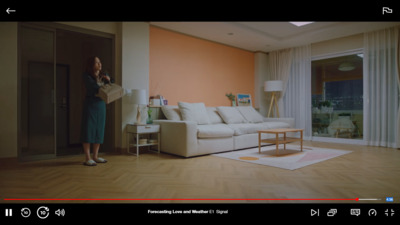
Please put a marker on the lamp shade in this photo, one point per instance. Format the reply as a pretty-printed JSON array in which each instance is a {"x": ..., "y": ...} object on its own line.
[
  {"x": 273, "y": 85},
  {"x": 138, "y": 97}
]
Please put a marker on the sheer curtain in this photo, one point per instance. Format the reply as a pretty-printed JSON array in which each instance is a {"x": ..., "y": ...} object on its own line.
[
  {"x": 279, "y": 64},
  {"x": 297, "y": 97},
  {"x": 381, "y": 69}
]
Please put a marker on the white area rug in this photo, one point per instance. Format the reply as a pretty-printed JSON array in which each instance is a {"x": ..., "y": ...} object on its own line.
[{"x": 292, "y": 158}]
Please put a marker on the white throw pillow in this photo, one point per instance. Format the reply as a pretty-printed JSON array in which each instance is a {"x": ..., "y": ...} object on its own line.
[
  {"x": 250, "y": 114},
  {"x": 213, "y": 115},
  {"x": 194, "y": 112},
  {"x": 171, "y": 112},
  {"x": 230, "y": 114}
]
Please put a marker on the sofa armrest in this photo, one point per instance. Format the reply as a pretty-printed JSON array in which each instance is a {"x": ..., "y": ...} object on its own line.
[
  {"x": 178, "y": 137},
  {"x": 290, "y": 121}
]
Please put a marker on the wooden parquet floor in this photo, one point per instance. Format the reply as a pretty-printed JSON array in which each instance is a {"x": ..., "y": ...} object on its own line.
[{"x": 367, "y": 172}]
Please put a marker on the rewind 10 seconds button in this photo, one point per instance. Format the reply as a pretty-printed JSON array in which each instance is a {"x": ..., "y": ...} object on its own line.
[{"x": 25, "y": 212}]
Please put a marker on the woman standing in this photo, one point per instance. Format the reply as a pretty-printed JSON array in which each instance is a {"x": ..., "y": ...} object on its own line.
[{"x": 94, "y": 111}]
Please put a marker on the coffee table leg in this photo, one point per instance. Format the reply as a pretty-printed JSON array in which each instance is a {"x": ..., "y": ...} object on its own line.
[
  {"x": 301, "y": 140},
  {"x": 284, "y": 139},
  {"x": 259, "y": 142}
]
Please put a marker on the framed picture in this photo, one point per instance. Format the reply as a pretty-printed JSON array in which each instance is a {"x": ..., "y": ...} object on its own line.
[{"x": 244, "y": 99}]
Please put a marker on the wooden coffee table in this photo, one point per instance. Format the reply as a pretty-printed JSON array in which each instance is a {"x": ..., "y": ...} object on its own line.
[{"x": 280, "y": 140}]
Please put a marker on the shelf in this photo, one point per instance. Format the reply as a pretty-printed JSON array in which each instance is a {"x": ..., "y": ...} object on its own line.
[
  {"x": 143, "y": 145},
  {"x": 280, "y": 140}
]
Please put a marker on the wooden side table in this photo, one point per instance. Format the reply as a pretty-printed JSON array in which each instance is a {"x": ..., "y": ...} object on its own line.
[
  {"x": 280, "y": 140},
  {"x": 139, "y": 130}
]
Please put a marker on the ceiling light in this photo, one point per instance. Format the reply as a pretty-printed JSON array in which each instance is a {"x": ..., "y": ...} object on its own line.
[
  {"x": 299, "y": 24},
  {"x": 346, "y": 66}
]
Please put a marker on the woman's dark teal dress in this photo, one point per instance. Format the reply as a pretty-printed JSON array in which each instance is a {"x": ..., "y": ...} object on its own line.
[{"x": 94, "y": 113}]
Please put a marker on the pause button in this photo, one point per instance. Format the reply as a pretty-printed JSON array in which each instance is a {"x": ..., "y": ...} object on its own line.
[{"x": 8, "y": 212}]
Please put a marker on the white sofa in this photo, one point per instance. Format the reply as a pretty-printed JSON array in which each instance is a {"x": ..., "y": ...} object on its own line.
[{"x": 192, "y": 129}]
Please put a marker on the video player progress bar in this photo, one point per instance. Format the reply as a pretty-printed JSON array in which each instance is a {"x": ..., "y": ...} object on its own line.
[{"x": 188, "y": 199}]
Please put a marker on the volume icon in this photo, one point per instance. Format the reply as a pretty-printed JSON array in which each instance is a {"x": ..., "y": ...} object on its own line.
[{"x": 60, "y": 212}]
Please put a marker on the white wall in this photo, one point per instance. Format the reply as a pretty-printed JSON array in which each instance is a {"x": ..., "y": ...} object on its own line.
[{"x": 135, "y": 49}]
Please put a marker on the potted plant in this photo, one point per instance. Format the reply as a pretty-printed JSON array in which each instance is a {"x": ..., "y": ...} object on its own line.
[
  {"x": 326, "y": 106},
  {"x": 149, "y": 119},
  {"x": 232, "y": 98}
]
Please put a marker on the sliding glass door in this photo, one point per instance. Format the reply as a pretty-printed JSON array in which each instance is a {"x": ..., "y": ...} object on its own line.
[{"x": 337, "y": 97}]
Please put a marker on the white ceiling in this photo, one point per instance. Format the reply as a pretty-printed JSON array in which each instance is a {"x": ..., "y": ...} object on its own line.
[{"x": 269, "y": 36}]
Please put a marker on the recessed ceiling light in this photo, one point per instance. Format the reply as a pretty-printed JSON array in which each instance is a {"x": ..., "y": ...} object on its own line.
[{"x": 299, "y": 24}]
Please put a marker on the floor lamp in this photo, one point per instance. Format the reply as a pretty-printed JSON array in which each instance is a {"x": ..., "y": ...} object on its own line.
[
  {"x": 273, "y": 86},
  {"x": 139, "y": 98}
]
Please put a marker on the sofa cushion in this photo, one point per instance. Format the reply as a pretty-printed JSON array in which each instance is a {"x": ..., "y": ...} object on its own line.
[
  {"x": 252, "y": 128},
  {"x": 250, "y": 114},
  {"x": 274, "y": 125},
  {"x": 194, "y": 112},
  {"x": 213, "y": 115},
  {"x": 246, "y": 128},
  {"x": 230, "y": 115},
  {"x": 214, "y": 131},
  {"x": 171, "y": 112}
]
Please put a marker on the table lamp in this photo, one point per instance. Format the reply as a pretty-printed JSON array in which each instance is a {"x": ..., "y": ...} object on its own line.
[
  {"x": 139, "y": 98},
  {"x": 273, "y": 86}
]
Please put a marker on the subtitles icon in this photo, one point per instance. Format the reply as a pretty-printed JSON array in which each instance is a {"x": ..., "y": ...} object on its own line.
[
  {"x": 386, "y": 10},
  {"x": 355, "y": 212}
]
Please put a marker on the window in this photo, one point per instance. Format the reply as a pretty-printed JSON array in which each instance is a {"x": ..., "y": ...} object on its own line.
[{"x": 337, "y": 97}]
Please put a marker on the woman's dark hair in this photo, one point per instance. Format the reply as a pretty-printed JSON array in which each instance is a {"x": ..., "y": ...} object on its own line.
[{"x": 89, "y": 65}]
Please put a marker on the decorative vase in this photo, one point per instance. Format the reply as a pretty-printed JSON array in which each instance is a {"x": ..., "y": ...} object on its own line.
[
  {"x": 149, "y": 119},
  {"x": 233, "y": 103}
]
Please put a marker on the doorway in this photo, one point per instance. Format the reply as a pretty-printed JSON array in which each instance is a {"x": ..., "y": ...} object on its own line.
[
  {"x": 51, "y": 65},
  {"x": 337, "y": 98}
]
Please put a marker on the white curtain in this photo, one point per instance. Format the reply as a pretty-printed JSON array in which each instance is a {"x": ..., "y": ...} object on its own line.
[
  {"x": 297, "y": 97},
  {"x": 279, "y": 64},
  {"x": 381, "y": 88},
  {"x": 397, "y": 30}
]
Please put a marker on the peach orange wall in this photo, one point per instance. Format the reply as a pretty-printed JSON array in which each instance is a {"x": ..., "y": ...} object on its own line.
[{"x": 188, "y": 69}]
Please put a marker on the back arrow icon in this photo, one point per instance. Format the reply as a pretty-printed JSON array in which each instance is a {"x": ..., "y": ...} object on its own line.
[{"x": 10, "y": 10}]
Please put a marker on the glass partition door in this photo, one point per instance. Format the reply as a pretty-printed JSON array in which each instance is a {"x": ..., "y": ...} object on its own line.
[{"x": 337, "y": 97}]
